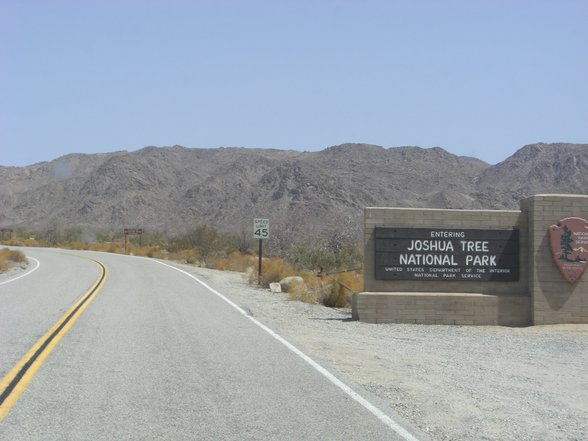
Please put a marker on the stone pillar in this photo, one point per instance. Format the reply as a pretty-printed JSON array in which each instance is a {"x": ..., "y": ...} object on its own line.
[{"x": 554, "y": 300}]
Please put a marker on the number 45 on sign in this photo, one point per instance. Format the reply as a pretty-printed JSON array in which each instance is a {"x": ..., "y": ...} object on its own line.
[{"x": 261, "y": 228}]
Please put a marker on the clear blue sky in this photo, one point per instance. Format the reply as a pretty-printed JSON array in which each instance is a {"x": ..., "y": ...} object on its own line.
[{"x": 476, "y": 77}]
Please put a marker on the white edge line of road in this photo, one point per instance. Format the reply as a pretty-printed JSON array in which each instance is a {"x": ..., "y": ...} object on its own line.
[
  {"x": 38, "y": 264},
  {"x": 357, "y": 397}
]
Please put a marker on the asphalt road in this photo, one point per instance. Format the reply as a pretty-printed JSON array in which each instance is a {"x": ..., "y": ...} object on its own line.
[{"x": 159, "y": 356}]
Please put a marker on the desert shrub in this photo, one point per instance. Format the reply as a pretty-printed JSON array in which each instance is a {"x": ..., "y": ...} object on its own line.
[
  {"x": 325, "y": 290},
  {"x": 206, "y": 240},
  {"x": 274, "y": 269},
  {"x": 235, "y": 261},
  {"x": 4, "y": 253},
  {"x": 335, "y": 296},
  {"x": 242, "y": 241},
  {"x": 115, "y": 248},
  {"x": 14, "y": 242},
  {"x": 309, "y": 291},
  {"x": 140, "y": 250},
  {"x": 9, "y": 258},
  {"x": 151, "y": 251},
  {"x": 77, "y": 245},
  {"x": 70, "y": 235},
  {"x": 108, "y": 247},
  {"x": 342, "y": 286},
  {"x": 31, "y": 242},
  {"x": 17, "y": 256},
  {"x": 189, "y": 256},
  {"x": 150, "y": 239},
  {"x": 329, "y": 251}
]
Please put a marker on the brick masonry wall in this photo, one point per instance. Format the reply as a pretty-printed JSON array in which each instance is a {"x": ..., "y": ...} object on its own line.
[
  {"x": 554, "y": 300},
  {"x": 444, "y": 302},
  {"x": 444, "y": 309}
]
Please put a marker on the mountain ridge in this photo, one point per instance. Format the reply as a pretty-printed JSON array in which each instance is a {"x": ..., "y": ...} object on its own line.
[{"x": 171, "y": 188}]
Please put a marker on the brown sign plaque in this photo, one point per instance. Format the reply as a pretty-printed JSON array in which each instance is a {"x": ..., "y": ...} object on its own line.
[{"x": 569, "y": 247}]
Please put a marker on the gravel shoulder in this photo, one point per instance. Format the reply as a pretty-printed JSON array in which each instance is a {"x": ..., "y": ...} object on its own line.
[
  {"x": 13, "y": 272},
  {"x": 450, "y": 382}
]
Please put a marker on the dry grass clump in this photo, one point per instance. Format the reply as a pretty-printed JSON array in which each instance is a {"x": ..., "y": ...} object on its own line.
[
  {"x": 333, "y": 291},
  {"x": 32, "y": 242},
  {"x": 236, "y": 261},
  {"x": 10, "y": 258},
  {"x": 190, "y": 256},
  {"x": 309, "y": 291},
  {"x": 273, "y": 269},
  {"x": 342, "y": 287},
  {"x": 78, "y": 245},
  {"x": 143, "y": 250},
  {"x": 107, "y": 247}
]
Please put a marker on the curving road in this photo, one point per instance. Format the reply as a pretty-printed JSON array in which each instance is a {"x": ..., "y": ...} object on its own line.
[{"x": 159, "y": 356}]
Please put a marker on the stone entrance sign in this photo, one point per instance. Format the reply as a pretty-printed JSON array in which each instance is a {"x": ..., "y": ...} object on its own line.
[{"x": 477, "y": 267}]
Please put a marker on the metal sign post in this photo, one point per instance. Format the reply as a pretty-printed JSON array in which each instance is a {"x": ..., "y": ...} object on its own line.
[
  {"x": 7, "y": 232},
  {"x": 133, "y": 232},
  {"x": 261, "y": 232},
  {"x": 259, "y": 264}
]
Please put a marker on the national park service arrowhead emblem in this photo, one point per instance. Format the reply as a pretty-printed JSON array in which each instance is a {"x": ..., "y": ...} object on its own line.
[{"x": 569, "y": 247}]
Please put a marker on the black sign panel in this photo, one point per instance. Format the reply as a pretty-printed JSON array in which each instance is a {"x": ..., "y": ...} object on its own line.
[{"x": 446, "y": 254}]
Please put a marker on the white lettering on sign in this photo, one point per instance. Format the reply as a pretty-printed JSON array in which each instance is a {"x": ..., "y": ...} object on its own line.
[
  {"x": 485, "y": 260},
  {"x": 405, "y": 253},
  {"x": 474, "y": 246},
  {"x": 430, "y": 245},
  {"x": 449, "y": 234},
  {"x": 471, "y": 276},
  {"x": 428, "y": 259}
]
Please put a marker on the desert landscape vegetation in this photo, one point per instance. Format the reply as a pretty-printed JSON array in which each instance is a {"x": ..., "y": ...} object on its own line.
[{"x": 196, "y": 205}]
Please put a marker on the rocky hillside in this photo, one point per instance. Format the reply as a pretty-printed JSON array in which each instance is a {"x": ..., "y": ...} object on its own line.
[{"x": 175, "y": 187}]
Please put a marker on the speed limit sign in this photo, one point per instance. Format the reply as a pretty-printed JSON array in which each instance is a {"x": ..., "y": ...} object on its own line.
[{"x": 261, "y": 228}]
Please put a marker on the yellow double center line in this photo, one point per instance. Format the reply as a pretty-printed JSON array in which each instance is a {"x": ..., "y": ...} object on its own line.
[{"x": 15, "y": 382}]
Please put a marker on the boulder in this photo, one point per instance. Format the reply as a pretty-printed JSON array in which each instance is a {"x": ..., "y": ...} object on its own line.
[
  {"x": 275, "y": 287},
  {"x": 287, "y": 283}
]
